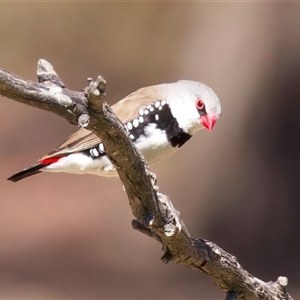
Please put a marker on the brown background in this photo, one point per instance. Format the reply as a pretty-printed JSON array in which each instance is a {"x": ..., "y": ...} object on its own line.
[{"x": 68, "y": 236}]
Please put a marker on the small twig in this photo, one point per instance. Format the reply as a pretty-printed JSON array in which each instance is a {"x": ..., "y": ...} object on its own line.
[{"x": 45, "y": 72}]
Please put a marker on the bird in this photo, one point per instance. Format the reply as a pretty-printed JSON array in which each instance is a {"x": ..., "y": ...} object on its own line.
[{"x": 159, "y": 120}]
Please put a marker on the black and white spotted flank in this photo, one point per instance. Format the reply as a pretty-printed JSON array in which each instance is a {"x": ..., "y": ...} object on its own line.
[
  {"x": 158, "y": 114},
  {"x": 95, "y": 152}
]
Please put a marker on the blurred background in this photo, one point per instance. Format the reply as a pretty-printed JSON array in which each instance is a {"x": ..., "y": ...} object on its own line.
[{"x": 69, "y": 236}]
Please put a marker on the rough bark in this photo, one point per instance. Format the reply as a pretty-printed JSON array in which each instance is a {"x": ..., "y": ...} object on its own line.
[{"x": 154, "y": 212}]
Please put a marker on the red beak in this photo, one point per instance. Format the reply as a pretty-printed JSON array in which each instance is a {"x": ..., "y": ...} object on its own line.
[{"x": 209, "y": 121}]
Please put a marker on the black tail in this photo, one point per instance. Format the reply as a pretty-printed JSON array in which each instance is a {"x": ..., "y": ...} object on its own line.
[{"x": 35, "y": 169}]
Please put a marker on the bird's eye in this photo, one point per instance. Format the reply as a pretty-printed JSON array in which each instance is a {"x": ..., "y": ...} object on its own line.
[{"x": 200, "y": 104}]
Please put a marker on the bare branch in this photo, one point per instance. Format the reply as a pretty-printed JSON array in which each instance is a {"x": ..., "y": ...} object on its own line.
[
  {"x": 47, "y": 95},
  {"x": 154, "y": 212}
]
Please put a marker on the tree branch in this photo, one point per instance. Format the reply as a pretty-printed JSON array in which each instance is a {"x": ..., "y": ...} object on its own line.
[{"x": 154, "y": 212}]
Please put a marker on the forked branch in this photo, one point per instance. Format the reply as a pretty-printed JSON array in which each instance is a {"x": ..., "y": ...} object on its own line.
[{"x": 154, "y": 212}]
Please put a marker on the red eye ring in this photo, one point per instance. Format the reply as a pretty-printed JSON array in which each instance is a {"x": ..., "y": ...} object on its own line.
[{"x": 200, "y": 104}]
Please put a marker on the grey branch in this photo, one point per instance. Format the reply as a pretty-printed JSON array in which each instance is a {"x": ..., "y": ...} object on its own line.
[{"x": 154, "y": 213}]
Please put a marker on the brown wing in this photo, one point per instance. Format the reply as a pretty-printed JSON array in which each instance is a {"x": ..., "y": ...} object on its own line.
[
  {"x": 126, "y": 110},
  {"x": 80, "y": 140}
]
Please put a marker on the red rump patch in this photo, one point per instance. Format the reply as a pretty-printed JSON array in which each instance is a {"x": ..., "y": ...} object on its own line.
[{"x": 50, "y": 160}]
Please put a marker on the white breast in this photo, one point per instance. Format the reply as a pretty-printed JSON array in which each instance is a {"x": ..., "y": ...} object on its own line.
[{"x": 154, "y": 145}]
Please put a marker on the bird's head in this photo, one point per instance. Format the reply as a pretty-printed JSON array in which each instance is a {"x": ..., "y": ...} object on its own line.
[{"x": 197, "y": 106}]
